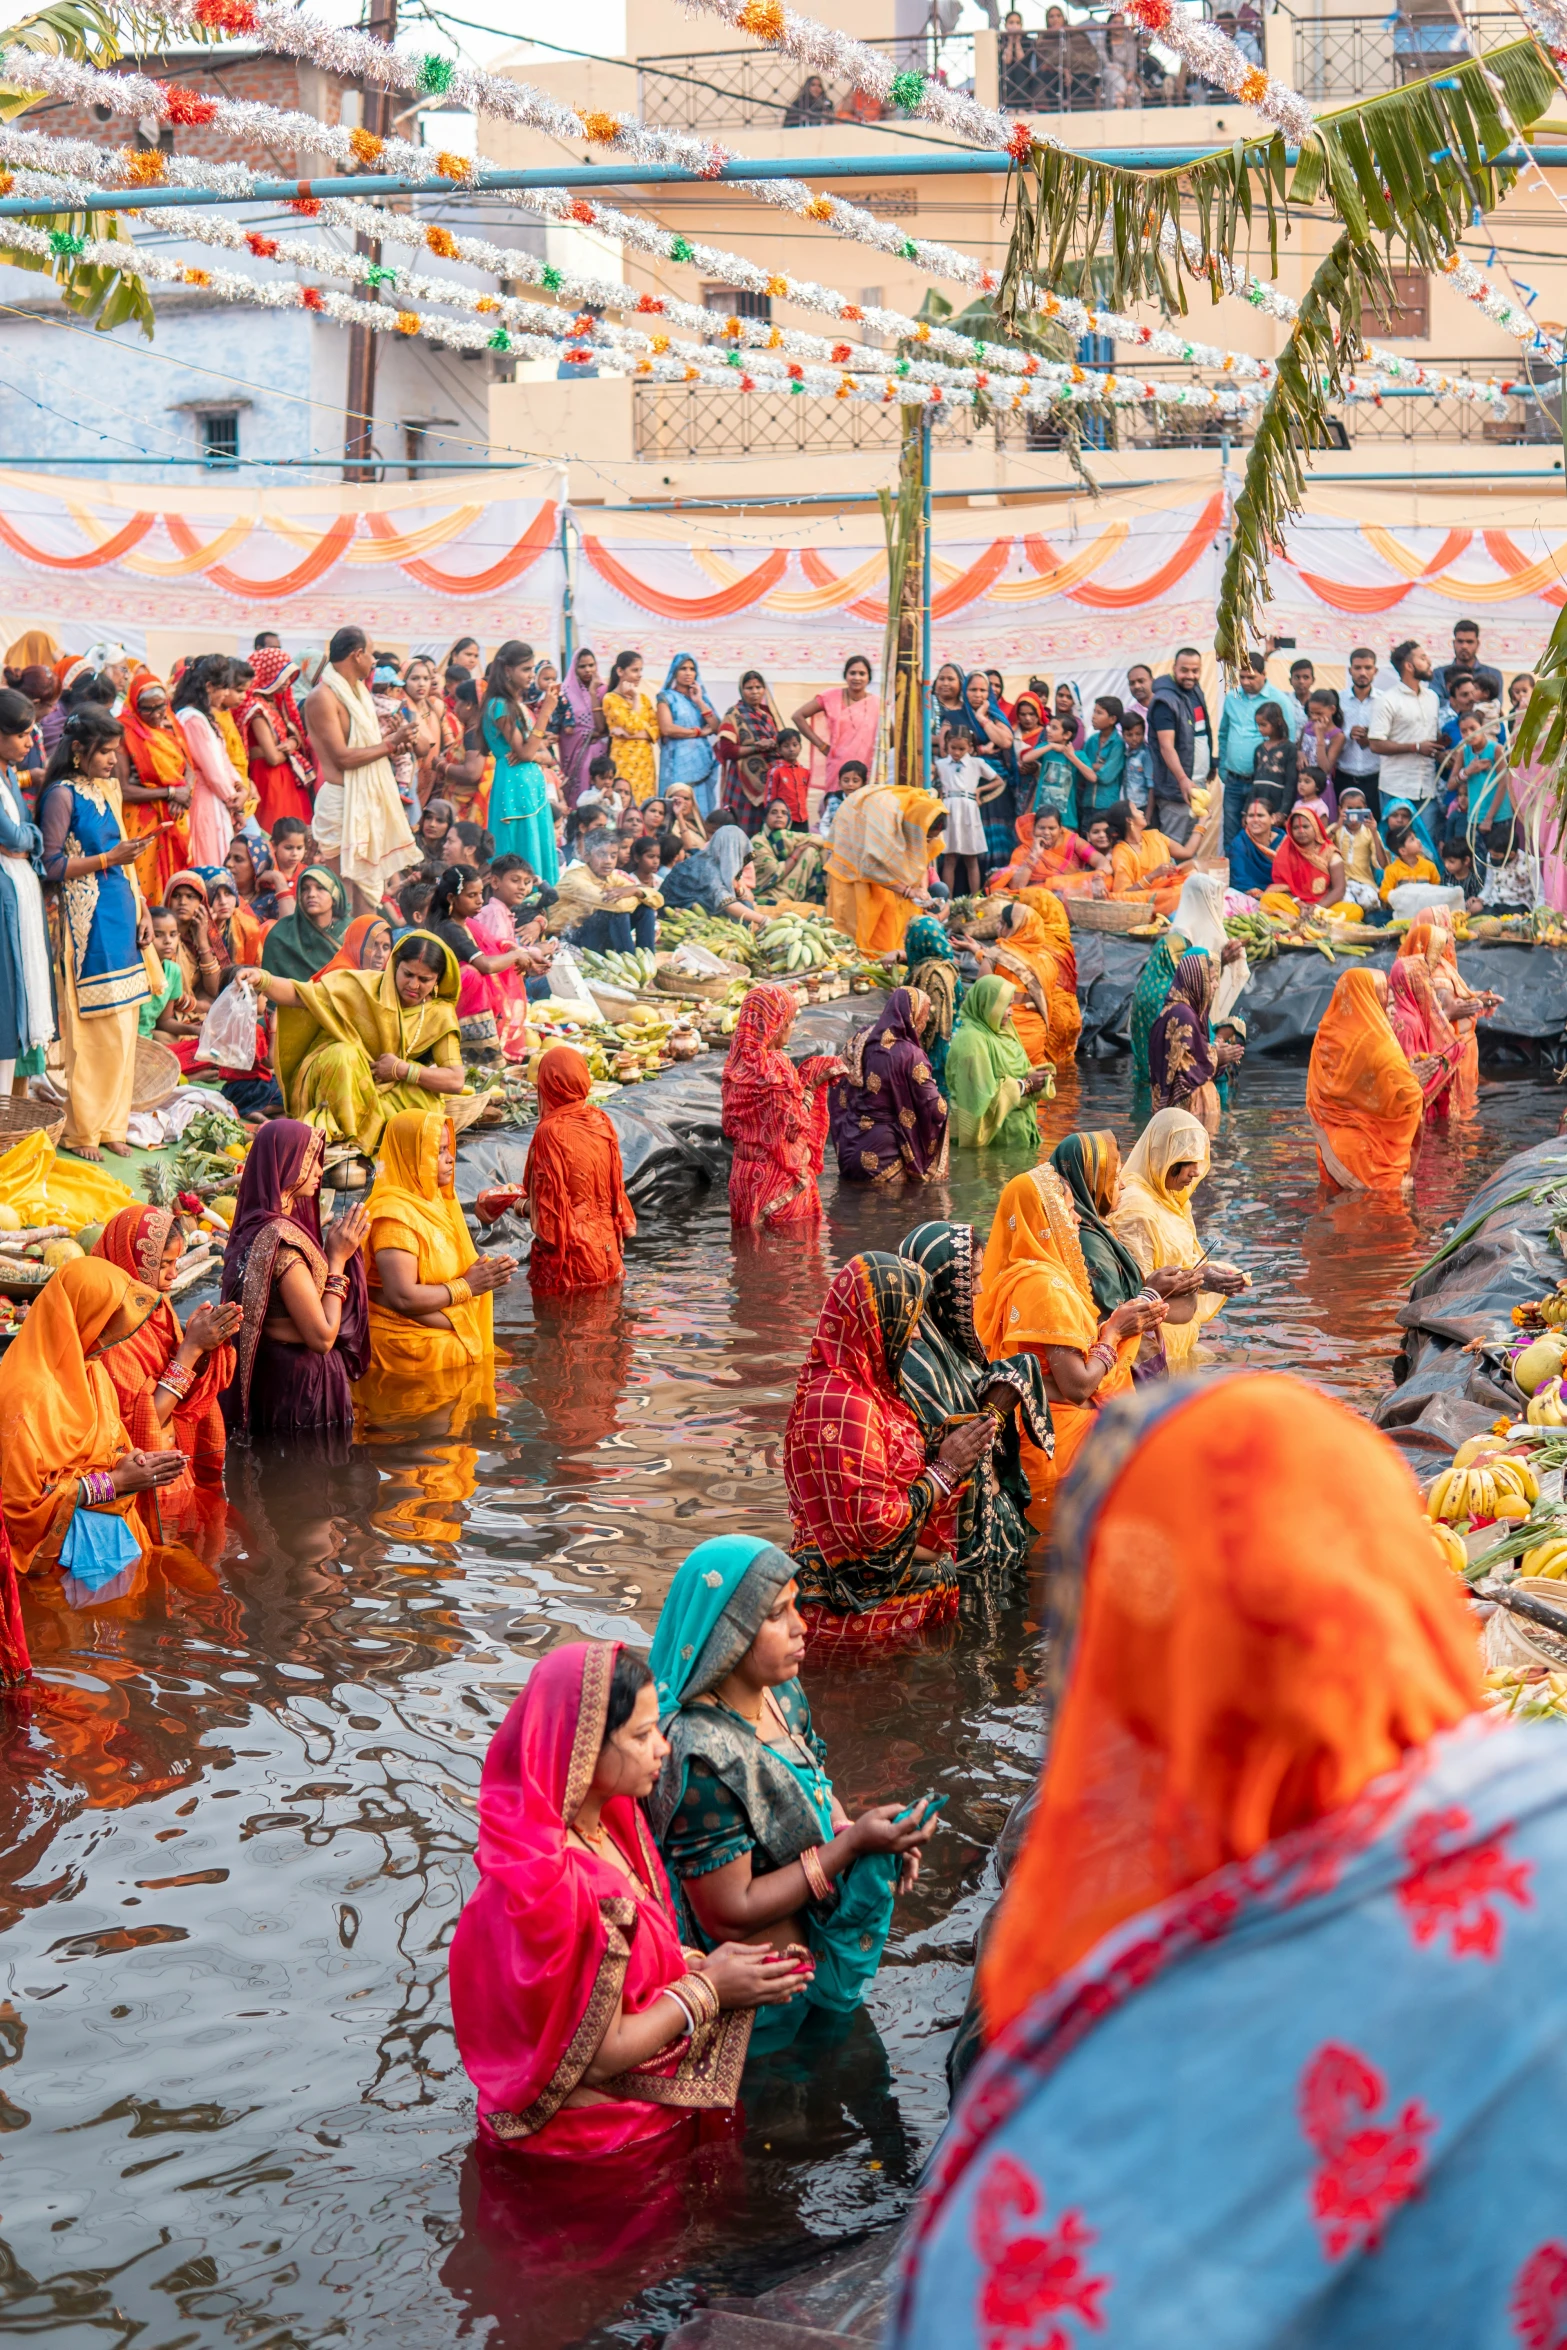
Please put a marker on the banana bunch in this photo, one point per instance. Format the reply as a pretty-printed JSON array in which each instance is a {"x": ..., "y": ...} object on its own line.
[
  {"x": 1547, "y": 1405},
  {"x": 631, "y": 968},
  {"x": 1502, "y": 1486},
  {"x": 794, "y": 942},
  {"x": 1451, "y": 1547},
  {"x": 1548, "y": 1558},
  {"x": 732, "y": 940},
  {"x": 1553, "y": 1310}
]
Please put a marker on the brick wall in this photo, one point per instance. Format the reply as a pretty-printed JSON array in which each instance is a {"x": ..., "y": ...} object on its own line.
[{"x": 274, "y": 81}]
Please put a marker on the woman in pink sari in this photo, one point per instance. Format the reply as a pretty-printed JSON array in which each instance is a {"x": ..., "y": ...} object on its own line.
[
  {"x": 218, "y": 792},
  {"x": 494, "y": 932},
  {"x": 581, "y": 741},
  {"x": 586, "y": 2027},
  {"x": 852, "y": 714},
  {"x": 1432, "y": 1046}
]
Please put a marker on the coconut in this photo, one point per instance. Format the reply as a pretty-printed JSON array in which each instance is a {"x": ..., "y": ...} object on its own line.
[{"x": 1543, "y": 1359}]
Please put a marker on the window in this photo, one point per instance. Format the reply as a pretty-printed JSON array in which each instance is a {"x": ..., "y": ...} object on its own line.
[
  {"x": 892, "y": 203},
  {"x": 1408, "y": 319},
  {"x": 738, "y": 302},
  {"x": 220, "y": 437}
]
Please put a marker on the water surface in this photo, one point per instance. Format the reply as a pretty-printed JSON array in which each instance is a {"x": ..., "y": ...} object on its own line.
[{"x": 230, "y": 2106}]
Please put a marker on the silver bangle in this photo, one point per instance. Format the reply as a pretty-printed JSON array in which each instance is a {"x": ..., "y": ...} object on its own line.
[
  {"x": 937, "y": 1479},
  {"x": 685, "y": 2011}
]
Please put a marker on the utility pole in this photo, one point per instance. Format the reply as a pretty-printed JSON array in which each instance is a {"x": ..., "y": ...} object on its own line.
[{"x": 359, "y": 416}]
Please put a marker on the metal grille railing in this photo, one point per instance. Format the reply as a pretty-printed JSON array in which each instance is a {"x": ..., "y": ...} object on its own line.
[
  {"x": 726, "y": 89},
  {"x": 1343, "y": 57},
  {"x": 699, "y": 421},
  {"x": 1091, "y": 68}
]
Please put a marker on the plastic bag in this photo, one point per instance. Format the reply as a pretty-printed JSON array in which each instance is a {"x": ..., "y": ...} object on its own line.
[{"x": 228, "y": 1033}]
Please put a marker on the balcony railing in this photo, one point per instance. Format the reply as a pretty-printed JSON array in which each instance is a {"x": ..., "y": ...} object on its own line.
[
  {"x": 696, "y": 422},
  {"x": 728, "y": 89},
  {"x": 1343, "y": 57}
]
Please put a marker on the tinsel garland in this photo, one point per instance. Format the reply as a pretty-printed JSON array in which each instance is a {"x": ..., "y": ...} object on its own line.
[{"x": 821, "y": 49}]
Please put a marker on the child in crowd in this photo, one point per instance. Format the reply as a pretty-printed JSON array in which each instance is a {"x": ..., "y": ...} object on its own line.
[
  {"x": 1276, "y": 770},
  {"x": 1321, "y": 743},
  {"x": 1101, "y": 763},
  {"x": 392, "y": 708},
  {"x": 960, "y": 773},
  {"x": 1409, "y": 861},
  {"x": 788, "y": 779},
  {"x": 413, "y": 900},
  {"x": 1055, "y": 784},
  {"x": 853, "y": 776},
  {"x": 1311, "y": 792},
  {"x": 1139, "y": 764},
  {"x": 1511, "y": 881},
  {"x": 1355, "y": 838},
  {"x": 1481, "y": 796},
  {"x": 292, "y": 848},
  {"x": 173, "y": 1015},
  {"x": 1459, "y": 869}
]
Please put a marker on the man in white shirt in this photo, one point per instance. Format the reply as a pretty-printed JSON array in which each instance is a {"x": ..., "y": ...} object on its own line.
[
  {"x": 1357, "y": 759},
  {"x": 1405, "y": 737}
]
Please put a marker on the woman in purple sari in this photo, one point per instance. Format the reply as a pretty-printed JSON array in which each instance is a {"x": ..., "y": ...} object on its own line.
[
  {"x": 1182, "y": 1064},
  {"x": 577, "y": 743},
  {"x": 305, "y": 1335},
  {"x": 889, "y": 1120}
]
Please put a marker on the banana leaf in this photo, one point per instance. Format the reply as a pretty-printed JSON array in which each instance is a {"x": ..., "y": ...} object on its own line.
[
  {"x": 108, "y": 297},
  {"x": 1543, "y": 1195},
  {"x": 92, "y": 34}
]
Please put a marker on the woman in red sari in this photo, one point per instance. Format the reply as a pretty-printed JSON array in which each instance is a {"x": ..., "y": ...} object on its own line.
[
  {"x": 874, "y": 1523},
  {"x": 775, "y": 1114},
  {"x": 168, "y": 1380},
  {"x": 282, "y": 764},
  {"x": 587, "y": 2029},
  {"x": 577, "y": 1202},
  {"x": 1306, "y": 863}
]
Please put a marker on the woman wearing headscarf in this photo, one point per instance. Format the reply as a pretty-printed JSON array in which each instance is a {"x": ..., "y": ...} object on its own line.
[
  {"x": 1430, "y": 938},
  {"x": 715, "y": 879},
  {"x": 217, "y": 788},
  {"x": 155, "y": 784},
  {"x": 73, "y": 1478},
  {"x": 1144, "y": 864},
  {"x": 587, "y": 2029},
  {"x": 775, "y": 1114},
  {"x": 304, "y": 1335},
  {"x": 744, "y": 1812},
  {"x": 1150, "y": 996},
  {"x": 631, "y": 721},
  {"x": 997, "y": 747},
  {"x": 27, "y": 1016},
  {"x": 367, "y": 946},
  {"x": 990, "y": 1084},
  {"x": 945, "y": 1379},
  {"x": 1034, "y": 1297},
  {"x": 577, "y": 1204},
  {"x": 1090, "y": 1167},
  {"x": 1362, "y": 1097},
  {"x": 277, "y": 747},
  {"x": 931, "y": 971},
  {"x": 888, "y": 1117},
  {"x": 1153, "y": 1219},
  {"x": 745, "y": 746},
  {"x": 1432, "y": 1045},
  {"x": 1276, "y": 1889},
  {"x": 1183, "y": 1059},
  {"x": 1306, "y": 863},
  {"x": 1036, "y": 954},
  {"x": 167, "y": 1381},
  {"x": 686, "y": 723},
  {"x": 305, "y": 943},
  {"x": 517, "y": 736},
  {"x": 1199, "y": 920},
  {"x": 874, "y": 1522},
  {"x": 878, "y": 863},
  {"x": 430, "y": 1308},
  {"x": 355, "y": 1047},
  {"x": 582, "y": 696}
]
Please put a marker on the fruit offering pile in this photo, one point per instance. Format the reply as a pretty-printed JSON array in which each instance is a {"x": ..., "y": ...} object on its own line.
[
  {"x": 734, "y": 942},
  {"x": 805, "y": 942}
]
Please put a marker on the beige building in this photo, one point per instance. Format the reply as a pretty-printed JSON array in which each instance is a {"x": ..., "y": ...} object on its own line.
[{"x": 1106, "y": 92}]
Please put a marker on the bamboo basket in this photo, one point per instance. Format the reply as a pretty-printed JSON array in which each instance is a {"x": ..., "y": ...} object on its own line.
[
  {"x": 1106, "y": 914},
  {"x": 19, "y": 1117},
  {"x": 157, "y": 1075}
]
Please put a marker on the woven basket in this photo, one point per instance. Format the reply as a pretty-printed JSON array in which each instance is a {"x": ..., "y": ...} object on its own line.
[
  {"x": 19, "y": 1117},
  {"x": 157, "y": 1075},
  {"x": 690, "y": 985},
  {"x": 1106, "y": 914}
]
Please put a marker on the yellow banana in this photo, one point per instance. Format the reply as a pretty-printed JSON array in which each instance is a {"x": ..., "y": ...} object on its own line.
[
  {"x": 1436, "y": 1499},
  {"x": 1451, "y": 1547},
  {"x": 1486, "y": 1495},
  {"x": 1548, "y": 1558},
  {"x": 1512, "y": 1507}
]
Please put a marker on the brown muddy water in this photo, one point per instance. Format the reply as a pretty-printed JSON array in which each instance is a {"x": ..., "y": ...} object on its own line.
[{"x": 239, "y": 1817}]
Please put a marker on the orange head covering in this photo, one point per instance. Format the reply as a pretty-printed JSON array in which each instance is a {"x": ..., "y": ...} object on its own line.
[
  {"x": 157, "y": 753},
  {"x": 135, "y": 1240},
  {"x": 1033, "y": 1289},
  {"x": 1047, "y": 934},
  {"x": 350, "y": 955},
  {"x": 577, "y": 1201},
  {"x": 1245, "y": 1642},
  {"x": 1304, "y": 872},
  {"x": 1360, "y": 1087},
  {"x": 58, "y": 1413}
]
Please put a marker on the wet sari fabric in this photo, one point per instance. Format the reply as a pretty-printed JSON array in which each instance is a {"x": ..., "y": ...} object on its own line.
[
  {"x": 577, "y": 1202},
  {"x": 1037, "y": 956},
  {"x": 135, "y": 1240},
  {"x": 888, "y": 1117},
  {"x": 931, "y": 969},
  {"x": 1181, "y": 1058},
  {"x": 59, "y": 1414},
  {"x": 278, "y": 1388},
  {"x": 986, "y": 1067},
  {"x": 1430, "y": 939},
  {"x": 1424, "y": 1032},
  {"x": 411, "y": 1210},
  {"x": 1362, "y": 1097},
  {"x": 1274, "y": 1963},
  {"x": 774, "y": 1115}
]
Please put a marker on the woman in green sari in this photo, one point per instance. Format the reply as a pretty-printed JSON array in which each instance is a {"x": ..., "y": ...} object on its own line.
[
  {"x": 932, "y": 968},
  {"x": 1090, "y": 1167},
  {"x": 944, "y": 1378},
  {"x": 744, "y": 1811},
  {"x": 1150, "y": 996},
  {"x": 990, "y": 1084}
]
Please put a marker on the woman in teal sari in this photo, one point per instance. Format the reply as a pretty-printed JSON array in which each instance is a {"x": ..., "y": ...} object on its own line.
[
  {"x": 990, "y": 1085},
  {"x": 744, "y": 1811},
  {"x": 1150, "y": 996},
  {"x": 932, "y": 967}
]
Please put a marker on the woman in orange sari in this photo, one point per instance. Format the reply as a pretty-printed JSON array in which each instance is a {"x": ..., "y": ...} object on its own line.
[
  {"x": 156, "y": 785},
  {"x": 577, "y": 1203},
  {"x": 367, "y": 946},
  {"x": 1143, "y": 863},
  {"x": 167, "y": 1381},
  {"x": 1034, "y": 1297},
  {"x": 1430, "y": 936},
  {"x": 1362, "y": 1097},
  {"x": 1035, "y": 952}
]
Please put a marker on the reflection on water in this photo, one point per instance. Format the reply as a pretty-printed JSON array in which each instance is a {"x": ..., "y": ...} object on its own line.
[{"x": 239, "y": 1811}]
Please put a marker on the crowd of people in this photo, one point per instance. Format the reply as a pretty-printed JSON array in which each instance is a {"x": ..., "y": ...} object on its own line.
[{"x": 385, "y": 869}]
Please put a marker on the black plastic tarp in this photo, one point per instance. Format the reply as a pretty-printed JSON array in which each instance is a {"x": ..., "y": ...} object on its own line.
[
  {"x": 1288, "y": 995},
  {"x": 670, "y": 1127},
  {"x": 1459, "y": 1315}
]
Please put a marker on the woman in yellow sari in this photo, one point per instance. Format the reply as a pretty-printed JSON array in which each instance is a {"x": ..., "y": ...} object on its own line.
[
  {"x": 883, "y": 839},
  {"x": 1034, "y": 1297},
  {"x": 355, "y": 1047},
  {"x": 1143, "y": 863},
  {"x": 1153, "y": 1218},
  {"x": 431, "y": 1314},
  {"x": 1035, "y": 952}
]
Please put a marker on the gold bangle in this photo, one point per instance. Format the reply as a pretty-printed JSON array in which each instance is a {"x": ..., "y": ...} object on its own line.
[
  {"x": 815, "y": 1875},
  {"x": 458, "y": 1293},
  {"x": 697, "y": 1993}
]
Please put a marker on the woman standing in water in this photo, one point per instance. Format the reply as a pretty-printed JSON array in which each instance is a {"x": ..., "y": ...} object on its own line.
[
  {"x": 744, "y": 1811},
  {"x": 304, "y": 1336},
  {"x": 587, "y": 2030}
]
